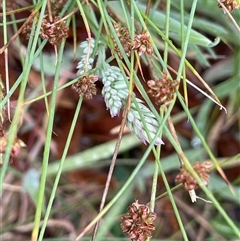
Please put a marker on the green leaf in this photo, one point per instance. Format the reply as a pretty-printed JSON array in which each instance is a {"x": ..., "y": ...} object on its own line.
[
  {"x": 89, "y": 157},
  {"x": 224, "y": 229}
]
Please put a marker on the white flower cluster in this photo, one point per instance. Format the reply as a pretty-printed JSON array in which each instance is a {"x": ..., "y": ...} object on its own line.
[
  {"x": 86, "y": 61},
  {"x": 135, "y": 124},
  {"x": 115, "y": 90}
]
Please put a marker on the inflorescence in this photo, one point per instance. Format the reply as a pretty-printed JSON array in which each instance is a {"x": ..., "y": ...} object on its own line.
[
  {"x": 138, "y": 223},
  {"x": 115, "y": 92},
  {"x": 203, "y": 170}
]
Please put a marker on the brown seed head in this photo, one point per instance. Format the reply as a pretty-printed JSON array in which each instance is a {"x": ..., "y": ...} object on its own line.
[
  {"x": 16, "y": 147},
  {"x": 138, "y": 222},
  {"x": 56, "y": 32},
  {"x": 142, "y": 44},
  {"x": 201, "y": 168},
  {"x": 86, "y": 87},
  {"x": 125, "y": 39},
  {"x": 229, "y": 4},
  {"x": 162, "y": 89}
]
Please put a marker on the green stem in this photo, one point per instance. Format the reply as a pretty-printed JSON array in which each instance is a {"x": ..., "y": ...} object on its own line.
[
  {"x": 155, "y": 182},
  {"x": 194, "y": 174},
  {"x": 170, "y": 195},
  {"x": 60, "y": 168},
  {"x": 120, "y": 192},
  {"x": 168, "y": 9},
  {"x": 186, "y": 40},
  {"x": 47, "y": 147},
  {"x": 19, "y": 108}
]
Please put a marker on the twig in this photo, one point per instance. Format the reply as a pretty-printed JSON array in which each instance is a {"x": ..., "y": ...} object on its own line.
[
  {"x": 6, "y": 56},
  {"x": 173, "y": 132},
  {"x": 7, "y": 81},
  {"x": 16, "y": 10},
  {"x": 149, "y": 3},
  {"x": 69, "y": 15},
  {"x": 85, "y": 21},
  {"x": 151, "y": 68},
  {"x": 229, "y": 15},
  {"x": 49, "y": 11},
  {"x": 113, "y": 162},
  {"x": 215, "y": 99}
]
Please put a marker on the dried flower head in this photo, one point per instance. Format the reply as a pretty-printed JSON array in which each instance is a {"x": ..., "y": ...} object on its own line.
[
  {"x": 137, "y": 224},
  {"x": 229, "y": 4},
  {"x": 16, "y": 147},
  {"x": 86, "y": 87},
  {"x": 125, "y": 40},
  {"x": 162, "y": 89},
  {"x": 201, "y": 168},
  {"x": 142, "y": 43},
  {"x": 28, "y": 28},
  {"x": 56, "y": 32}
]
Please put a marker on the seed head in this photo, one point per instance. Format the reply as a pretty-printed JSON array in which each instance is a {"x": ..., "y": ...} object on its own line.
[
  {"x": 137, "y": 224},
  {"x": 135, "y": 123},
  {"x": 86, "y": 62},
  {"x": 28, "y": 28},
  {"x": 115, "y": 90},
  {"x": 162, "y": 89},
  {"x": 16, "y": 146},
  {"x": 229, "y": 4},
  {"x": 142, "y": 43},
  {"x": 86, "y": 87},
  {"x": 125, "y": 40},
  {"x": 55, "y": 32},
  {"x": 201, "y": 168}
]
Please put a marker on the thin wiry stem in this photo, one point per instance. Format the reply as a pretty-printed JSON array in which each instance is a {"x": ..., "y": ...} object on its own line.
[
  {"x": 229, "y": 15},
  {"x": 88, "y": 31},
  {"x": 174, "y": 134},
  {"x": 6, "y": 55},
  {"x": 112, "y": 165}
]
